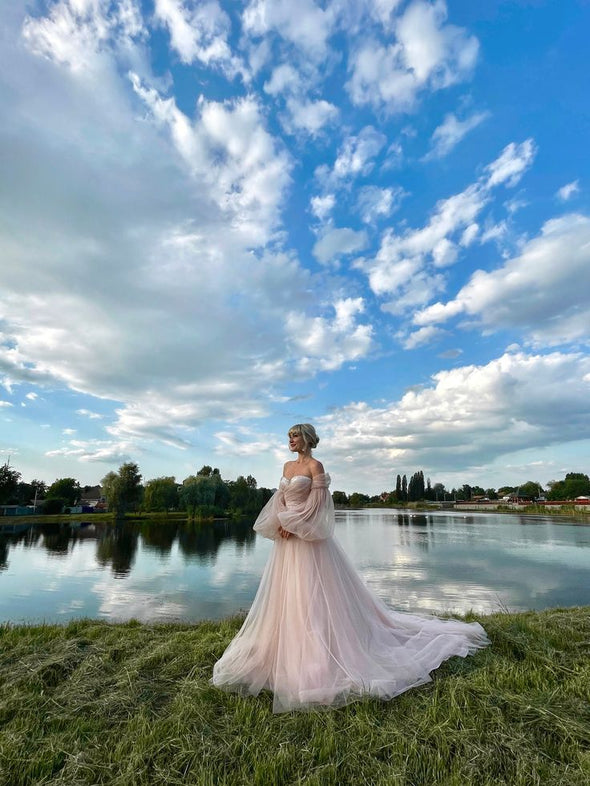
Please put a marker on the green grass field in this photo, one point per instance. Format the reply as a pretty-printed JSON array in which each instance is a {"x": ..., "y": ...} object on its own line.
[{"x": 97, "y": 703}]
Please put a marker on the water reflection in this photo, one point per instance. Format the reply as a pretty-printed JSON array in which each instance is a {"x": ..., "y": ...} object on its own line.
[
  {"x": 117, "y": 548},
  {"x": 201, "y": 542},
  {"x": 158, "y": 570},
  {"x": 457, "y": 562}
]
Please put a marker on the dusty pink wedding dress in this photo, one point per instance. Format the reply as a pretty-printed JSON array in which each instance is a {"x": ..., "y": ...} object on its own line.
[{"x": 315, "y": 634}]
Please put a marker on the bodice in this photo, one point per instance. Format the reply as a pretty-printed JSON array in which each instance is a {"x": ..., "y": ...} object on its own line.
[
  {"x": 297, "y": 489},
  {"x": 302, "y": 506}
]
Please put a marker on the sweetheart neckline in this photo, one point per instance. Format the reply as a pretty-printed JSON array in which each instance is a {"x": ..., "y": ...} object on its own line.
[{"x": 296, "y": 476}]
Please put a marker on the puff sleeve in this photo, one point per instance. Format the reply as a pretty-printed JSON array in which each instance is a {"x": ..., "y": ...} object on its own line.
[
  {"x": 267, "y": 524},
  {"x": 313, "y": 517},
  {"x": 309, "y": 516}
]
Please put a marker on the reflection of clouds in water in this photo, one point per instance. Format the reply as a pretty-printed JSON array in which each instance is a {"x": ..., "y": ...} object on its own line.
[
  {"x": 72, "y": 606},
  {"x": 184, "y": 588},
  {"x": 431, "y": 564},
  {"x": 545, "y": 553},
  {"x": 413, "y": 589},
  {"x": 468, "y": 562},
  {"x": 130, "y": 603}
]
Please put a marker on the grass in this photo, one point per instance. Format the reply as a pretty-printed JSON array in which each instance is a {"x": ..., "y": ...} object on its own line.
[{"x": 130, "y": 704}]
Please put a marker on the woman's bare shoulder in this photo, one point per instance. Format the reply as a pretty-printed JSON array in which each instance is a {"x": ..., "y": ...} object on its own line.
[{"x": 316, "y": 467}]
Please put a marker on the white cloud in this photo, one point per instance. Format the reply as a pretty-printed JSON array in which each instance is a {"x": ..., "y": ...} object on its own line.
[
  {"x": 397, "y": 267},
  {"x": 199, "y": 31},
  {"x": 284, "y": 78},
  {"x": 339, "y": 242},
  {"x": 229, "y": 149},
  {"x": 444, "y": 253},
  {"x": 403, "y": 255},
  {"x": 108, "y": 452},
  {"x": 494, "y": 232},
  {"x": 89, "y": 414},
  {"x": 70, "y": 35},
  {"x": 375, "y": 203},
  {"x": 303, "y": 24},
  {"x": 357, "y": 153},
  {"x": 325, "y": 344},
  {"x": 515, "y": 204},
  {"x": 424, "y": 335},
  {"x": 322, "y": 206},
  {"x": 82, "y": 36},
  {"x": 469, "y": 235},
  {"x": 567, "y": 192},
  {"x": 383, "y": 10},
  {"x": 511, "y": 164},
  {"x": 417, "y": 290},
  {"x": 468, "y": 416},
  {"x": 310, "y": 116},
  {"x": 426, "y": 53},
  {"x": 184, "y": 323},
  {"x": 542, "y": 292},
  {"x": 451, "y": 131}
]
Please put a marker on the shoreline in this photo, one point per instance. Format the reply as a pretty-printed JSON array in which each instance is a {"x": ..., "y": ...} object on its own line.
[
  {"x": 533, "y": 511},
  {"x": 238, "y": 618}
]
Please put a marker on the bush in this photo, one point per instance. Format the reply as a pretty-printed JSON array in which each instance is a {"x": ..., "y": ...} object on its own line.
[{"x": 53, "y": 506}]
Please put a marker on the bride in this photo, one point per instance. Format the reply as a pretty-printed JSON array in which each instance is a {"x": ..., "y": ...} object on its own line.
[{"x": 315, "y": 634}]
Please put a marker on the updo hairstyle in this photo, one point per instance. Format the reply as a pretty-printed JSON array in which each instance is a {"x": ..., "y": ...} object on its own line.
[{"x": 307, "y": 431}]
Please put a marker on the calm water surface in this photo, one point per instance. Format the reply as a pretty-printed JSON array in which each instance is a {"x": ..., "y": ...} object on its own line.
[{"x": 440, "y": 561}]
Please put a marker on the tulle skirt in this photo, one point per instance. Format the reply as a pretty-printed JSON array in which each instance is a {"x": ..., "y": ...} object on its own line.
[{"x": 317, "y": 636}]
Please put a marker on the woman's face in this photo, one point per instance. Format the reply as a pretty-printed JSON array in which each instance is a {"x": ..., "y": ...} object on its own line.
[{"x": 296, "y": 443}]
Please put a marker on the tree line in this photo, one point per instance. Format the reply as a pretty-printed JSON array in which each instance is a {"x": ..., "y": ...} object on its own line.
[
  {"x": 202, "y": 495},
  {"x": 416, "y": 489},
  {"x": 206, "y": 494}
]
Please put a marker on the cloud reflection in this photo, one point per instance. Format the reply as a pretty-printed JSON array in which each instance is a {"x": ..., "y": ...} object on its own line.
[{"x": 434, "y": 562}]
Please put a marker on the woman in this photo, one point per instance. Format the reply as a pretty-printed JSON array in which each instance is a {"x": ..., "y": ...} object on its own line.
[{"x": 316, "y": 635}]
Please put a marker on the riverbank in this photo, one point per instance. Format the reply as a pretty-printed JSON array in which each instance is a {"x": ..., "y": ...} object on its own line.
[
  {"x": 565, "y": 512},
  {"x": 98, "y": 703},
  {"x": 561, "y": 510},
  {"x": 74, "y": 518}
]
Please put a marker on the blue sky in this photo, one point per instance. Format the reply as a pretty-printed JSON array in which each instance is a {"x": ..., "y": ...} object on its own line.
[{"x": 222, "y": 218}]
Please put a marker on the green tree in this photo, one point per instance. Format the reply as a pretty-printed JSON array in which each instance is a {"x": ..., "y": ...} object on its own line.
[
  {"x": 464, "y": 493},
  {"x": 9, "y": 480},
  {"x": 110, "y": 488},
  {"x": 28, "y": 492},
  {"x": 530, "y": 489},
  {"x": 67, "y": 489},
  {"x": 398, "y": 488},
  {"x": 416, "y": 487},
  {"x": 243, "y": 497},
  {"x": 160, "y": 494},
  {"x": 439, "y": 492},
  {"x": 575, "y": 484},
  {"x": 122, "y": 489},
  {"x": 340, "y": 497},
  {"x": 358, "y": 500},
  {"x": 197, "y": 496},
  {"x": 52, "y": 505}
]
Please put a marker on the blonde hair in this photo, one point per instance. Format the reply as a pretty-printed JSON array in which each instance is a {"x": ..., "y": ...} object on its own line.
[{"x": 307, "y": 431}]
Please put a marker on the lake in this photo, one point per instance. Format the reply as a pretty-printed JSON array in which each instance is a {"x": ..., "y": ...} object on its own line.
[{"x": 441, "y": 561}]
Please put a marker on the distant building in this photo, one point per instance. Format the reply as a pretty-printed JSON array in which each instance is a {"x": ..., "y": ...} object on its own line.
[{"x": 93, "y": 498}]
